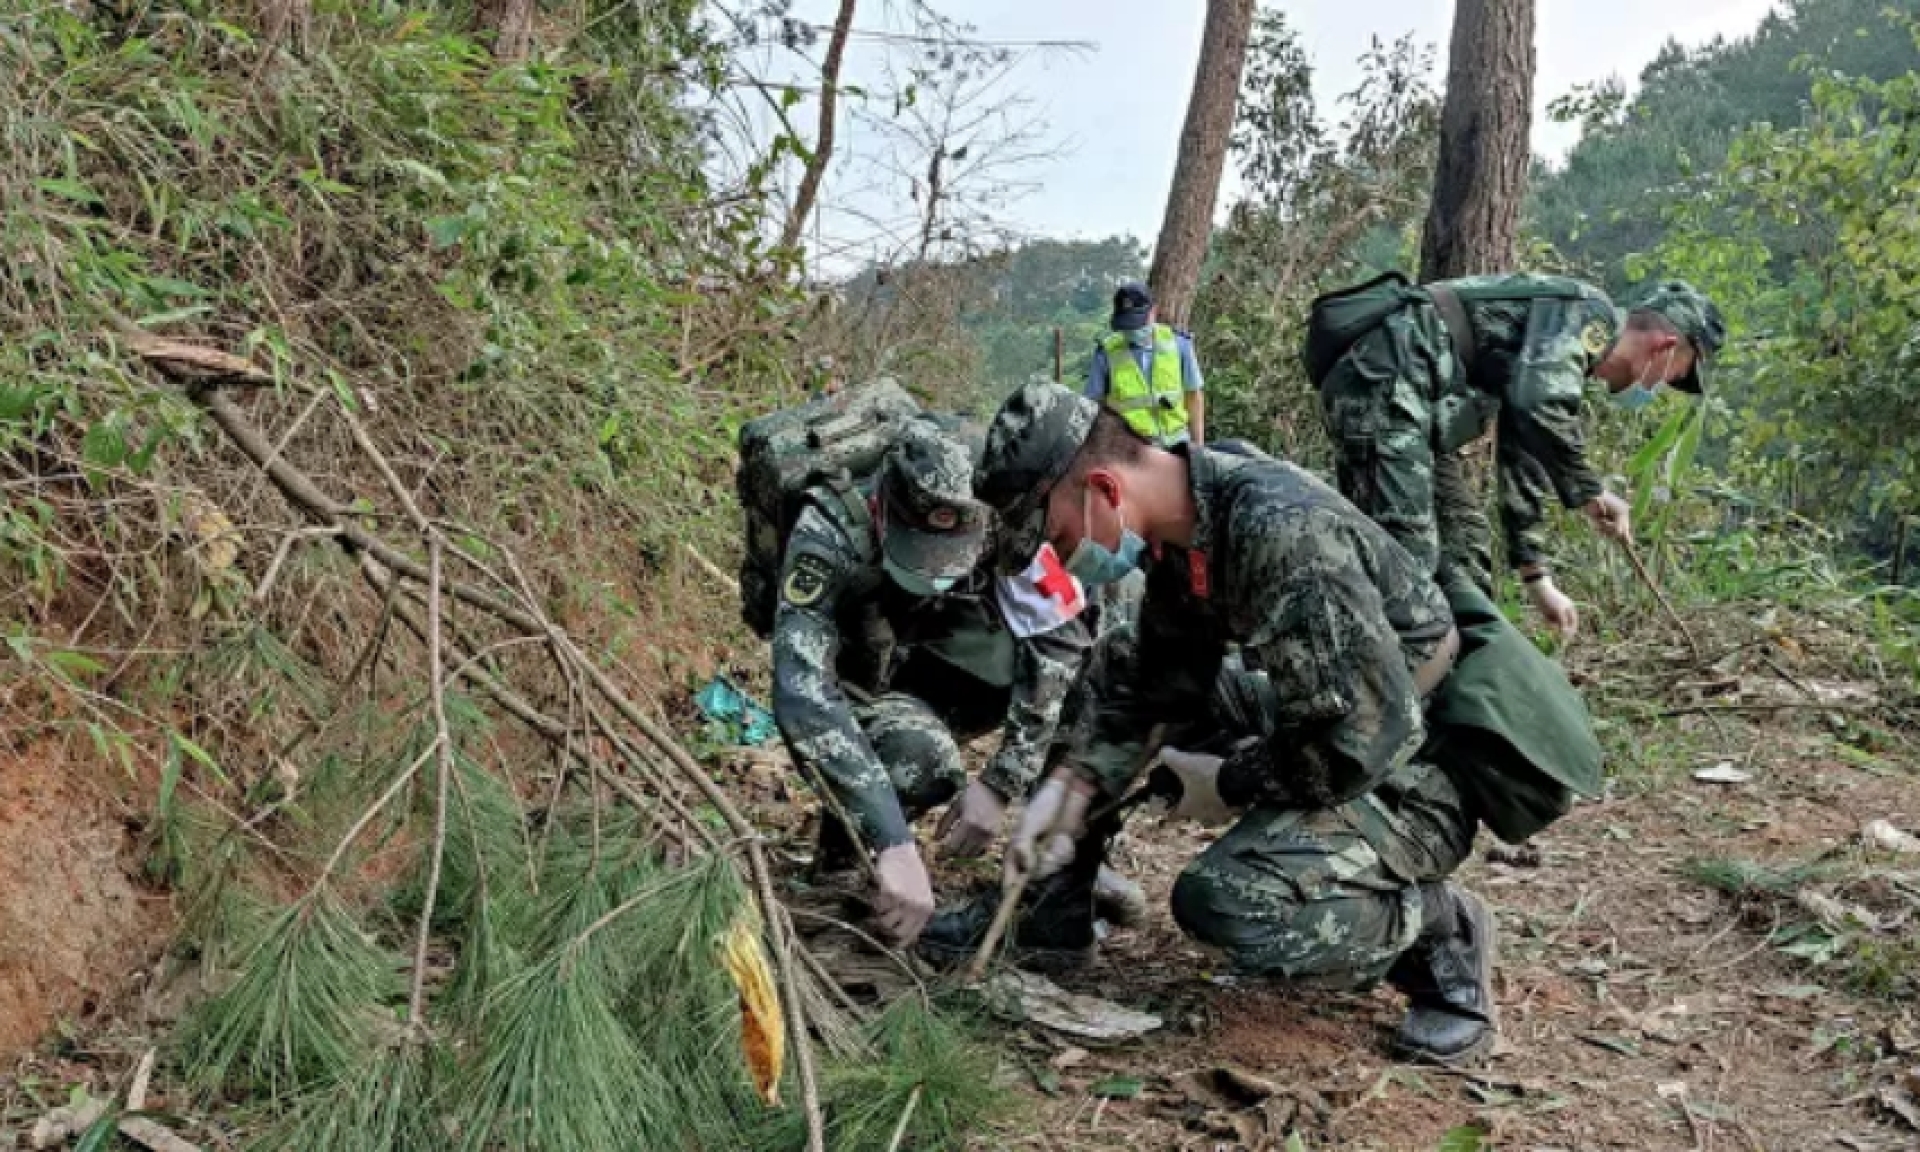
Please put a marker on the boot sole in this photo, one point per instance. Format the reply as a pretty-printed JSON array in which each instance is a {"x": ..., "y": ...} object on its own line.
[{"x": 1485, "y": 929}]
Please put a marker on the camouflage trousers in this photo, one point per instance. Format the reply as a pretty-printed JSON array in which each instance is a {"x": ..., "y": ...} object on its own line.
[
  {"x": 1328, "y": 897},
  {"x": 1381, "y": 416},
  {"x": 916, "y": 729}
]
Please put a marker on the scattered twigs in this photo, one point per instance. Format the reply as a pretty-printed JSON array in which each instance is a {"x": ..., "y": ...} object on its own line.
[
  {"x": 1646, "y": 577},
  {"x": 710, "y": 568},
  {"x": 374, "y": 809},
  {"x": 1764, "y": 706}
]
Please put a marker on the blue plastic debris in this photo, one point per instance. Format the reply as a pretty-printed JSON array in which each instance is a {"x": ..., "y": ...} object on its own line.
[{"x": 741, "y": 718}]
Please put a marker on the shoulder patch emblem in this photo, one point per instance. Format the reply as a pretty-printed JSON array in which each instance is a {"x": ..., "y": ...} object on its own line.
[
  {"x": 1595, "y": 337},
  {"x": 807, "y": 582}
]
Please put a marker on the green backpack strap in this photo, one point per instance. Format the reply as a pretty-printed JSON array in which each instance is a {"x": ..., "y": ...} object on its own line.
[
  {"x": 858, "y": 514},
  {"x": 1451, "y": 301}
]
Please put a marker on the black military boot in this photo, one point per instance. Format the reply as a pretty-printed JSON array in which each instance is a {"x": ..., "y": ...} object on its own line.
[
  {"x": 1053, "y": 931},
  {"x": 836, "y": 856},
  {"x": 1448, "y": 978}
]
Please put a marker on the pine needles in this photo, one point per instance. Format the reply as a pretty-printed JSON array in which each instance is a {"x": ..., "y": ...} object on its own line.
[
  {"x": 385, "y": 1103},
  {"x": 302, "y": 1009},
  {"x": 932, "y": 1084}
]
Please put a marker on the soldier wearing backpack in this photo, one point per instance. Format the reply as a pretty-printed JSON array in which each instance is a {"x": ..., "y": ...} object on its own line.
[
  {"x": 1408, "y": 376},
  {"x": 892, "y": 646}
]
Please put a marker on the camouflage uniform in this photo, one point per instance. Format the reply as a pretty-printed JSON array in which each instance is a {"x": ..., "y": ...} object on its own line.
[
  {"x": 1318, "y": 880},
  {"x": 936, "y": 671},
  {"x": 1399, "y": 410}
]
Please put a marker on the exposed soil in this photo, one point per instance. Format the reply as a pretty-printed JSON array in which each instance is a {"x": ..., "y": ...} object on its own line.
[
  {"x": 1641, "y": 1009},
  {"x": 74, "y": 924}
]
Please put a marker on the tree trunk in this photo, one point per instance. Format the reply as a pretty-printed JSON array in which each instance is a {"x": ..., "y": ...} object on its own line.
[
  {"x": 1481, "y": 176},
  {"x": 816, "y": 170},
  {"x": 1203, "y": 153},
  {"x": 511, "y": 22},
  {"x": 286, "y": 23}
]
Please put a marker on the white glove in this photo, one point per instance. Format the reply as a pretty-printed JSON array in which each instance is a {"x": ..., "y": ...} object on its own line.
[
  {"x": 1043, "y": 840},
  {"x": 1200, "y": 799},
  {"x": 972, "y": 821},
  {"x": 904, "y": 902},
  {"x": 1612, "y": 517},
  {"x": 1554, "y": 607}
]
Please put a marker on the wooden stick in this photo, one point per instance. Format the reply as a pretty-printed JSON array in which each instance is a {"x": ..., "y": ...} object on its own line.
[
  {"x": 154, "y": 1135},
  {"x": 906, "y": 1117},
  {"x": 1012, "y": 890},
  {"x": 1010, "y": 894},
  {"x": 142, "y": 1075},
  {"x": 1646, "y": 578}
]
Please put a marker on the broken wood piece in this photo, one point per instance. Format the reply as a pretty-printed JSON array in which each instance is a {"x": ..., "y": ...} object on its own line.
[
  {"x": 154, "y": 1135},
  {"x": 137, "y": 1091},
  {"x": 190, "y": 362}
]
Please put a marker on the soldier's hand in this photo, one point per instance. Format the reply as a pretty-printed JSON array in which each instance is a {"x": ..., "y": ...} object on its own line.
[
  {"x": 1612, "y": 517},
  {"x": 1199, "y": 777},
  {"x": 1555, "y": 607},
  {"x": 1043, "y": 840},
  {"x": 972, "y": 821},
  {"x": 904, "y": 902}
]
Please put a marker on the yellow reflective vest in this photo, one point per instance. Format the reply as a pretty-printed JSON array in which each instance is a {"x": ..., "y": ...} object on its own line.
[{"x": 1155, "y": 408}]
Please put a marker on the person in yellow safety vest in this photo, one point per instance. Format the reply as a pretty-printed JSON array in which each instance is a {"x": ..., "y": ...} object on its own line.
[{"x": 1147, "y": 372}]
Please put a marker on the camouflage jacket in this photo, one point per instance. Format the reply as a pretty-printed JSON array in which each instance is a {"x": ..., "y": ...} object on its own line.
[
  {"x": 843, "y": 621},
  {"x": 1319, "y": 598},
  {"x": 1531, "y": 361}
]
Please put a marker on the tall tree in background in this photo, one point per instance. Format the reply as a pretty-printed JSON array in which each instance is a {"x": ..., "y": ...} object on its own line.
[
  {"x": 1203, "y": 153},
  {"x": 822, "y": 153},
  {"x": 511, "y": 22},
  {"x": 1481, "y": 178}
]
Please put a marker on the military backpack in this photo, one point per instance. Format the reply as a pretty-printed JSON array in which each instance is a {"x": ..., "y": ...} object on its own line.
[
  {"x": 1338, "y": 320},
  {"x": 830, "y": 443}
]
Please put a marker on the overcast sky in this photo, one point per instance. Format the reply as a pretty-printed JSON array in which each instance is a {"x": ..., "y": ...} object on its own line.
[{"x": 1112, "y": 114}]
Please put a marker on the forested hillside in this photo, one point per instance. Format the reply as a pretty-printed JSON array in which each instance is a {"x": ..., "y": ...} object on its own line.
[
  {"x": 382, "y": 757},
  {"x": 1642, "y": 152}
]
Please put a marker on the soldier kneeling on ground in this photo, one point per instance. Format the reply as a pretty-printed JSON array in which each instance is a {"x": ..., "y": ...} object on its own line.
[
  {"x": 1347, "y": 814},
  {"x": 890, "y": 650}
]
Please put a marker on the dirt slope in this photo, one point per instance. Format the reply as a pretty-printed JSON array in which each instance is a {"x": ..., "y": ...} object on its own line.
[{"x": 74, "y": 926}]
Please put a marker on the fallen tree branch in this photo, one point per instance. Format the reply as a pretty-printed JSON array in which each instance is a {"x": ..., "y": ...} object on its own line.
[
  {"x": 443, "y": 777},
  {"x": 327, "y": 512}
]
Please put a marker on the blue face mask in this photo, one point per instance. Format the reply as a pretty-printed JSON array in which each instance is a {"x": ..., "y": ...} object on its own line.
[
  {"x": 1093, "y": 563},
  {"x": 914, "y": 583},
  {"x": 1639, "y": 394},
  {"x": 1141, "y": 337}
]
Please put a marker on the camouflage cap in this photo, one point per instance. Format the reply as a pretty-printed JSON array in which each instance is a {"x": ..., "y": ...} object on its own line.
[
  {"x": 931, "y": 524},
  {"x": 1694, "y": 316},
  {"x": 1030, "y": 445}
]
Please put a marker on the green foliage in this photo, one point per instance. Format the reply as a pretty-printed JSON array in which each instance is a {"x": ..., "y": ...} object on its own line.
[
  {"x": 1638, "y": 155},
  {"x": 962, "y": 333},
  {"x": 1465, "y": 1138},
  {"x": 557, "y": 1068},
  {"x": 302, "y": 1010},
  {"x": 1820, "y": 364},
  {"x": 927, "y": 1061},
  {"x": 384, "y": 1103}
]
